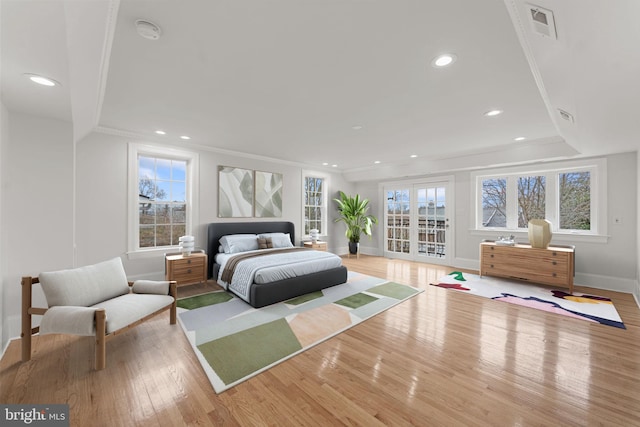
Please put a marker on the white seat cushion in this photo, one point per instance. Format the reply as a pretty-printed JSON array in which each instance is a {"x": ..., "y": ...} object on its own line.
[{"x": 127, "y": 309}]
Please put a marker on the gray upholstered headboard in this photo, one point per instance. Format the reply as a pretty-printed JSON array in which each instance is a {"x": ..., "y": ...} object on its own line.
[{"x": 216, "y": 230}]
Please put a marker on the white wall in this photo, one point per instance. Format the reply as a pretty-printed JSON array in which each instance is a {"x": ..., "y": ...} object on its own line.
[
  {"x": 37, "y": 187},
  {"x": 101, "y": 199},
  {"x": 4, "y": 139},
  {"x": 611, "y": 265}
]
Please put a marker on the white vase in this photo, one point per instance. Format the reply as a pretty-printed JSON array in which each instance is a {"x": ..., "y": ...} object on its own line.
[{"x": 540, "y": 233}]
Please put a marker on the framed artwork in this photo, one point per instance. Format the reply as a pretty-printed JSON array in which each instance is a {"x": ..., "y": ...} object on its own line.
[
  {"x": 235, "y": 192},
  {"x": 268, "y": 195}
]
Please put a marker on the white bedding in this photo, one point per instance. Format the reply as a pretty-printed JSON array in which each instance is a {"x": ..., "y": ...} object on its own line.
[{"x": 274, "y": 267}]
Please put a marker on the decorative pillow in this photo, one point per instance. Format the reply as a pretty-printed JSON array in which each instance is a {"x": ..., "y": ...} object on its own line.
[
  {"x": 280, "y": 240},
  {"x": 236, "y": 243},
  {"x": 265, "y": 243}
]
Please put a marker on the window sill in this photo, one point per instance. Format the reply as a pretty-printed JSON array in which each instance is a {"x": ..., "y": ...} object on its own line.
[
  {"x": 558, "y": 237},
  {"x": 151, "y": 253}
]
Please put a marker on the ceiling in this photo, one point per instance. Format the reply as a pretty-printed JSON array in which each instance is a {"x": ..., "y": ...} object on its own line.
[{"x": 340, "y": 82}]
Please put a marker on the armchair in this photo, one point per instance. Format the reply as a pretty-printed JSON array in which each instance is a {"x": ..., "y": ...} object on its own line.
[{"x": 95, "y": 300}]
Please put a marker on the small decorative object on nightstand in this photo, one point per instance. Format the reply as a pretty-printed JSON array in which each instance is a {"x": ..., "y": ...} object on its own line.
[
  {"x": 186, "y": 244},
  {"x": 317, "y": 245},
  {"x": 186, "y": 269},
  {"x": 313, "y": 233}
]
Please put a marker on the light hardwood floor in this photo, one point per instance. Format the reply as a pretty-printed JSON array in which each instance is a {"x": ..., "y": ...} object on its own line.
[{"x": 440, "y": 358}]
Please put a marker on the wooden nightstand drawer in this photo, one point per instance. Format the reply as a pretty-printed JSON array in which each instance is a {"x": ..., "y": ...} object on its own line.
[
  {"x": 319, "y": 246},
  {"x": 186, "y": 270}
]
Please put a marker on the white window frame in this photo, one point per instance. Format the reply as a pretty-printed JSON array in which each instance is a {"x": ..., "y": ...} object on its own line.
[
  {"x": 140, "y": 149},
  {"x": 598, "y": 180},
  {"x": 325, "y": 201}
]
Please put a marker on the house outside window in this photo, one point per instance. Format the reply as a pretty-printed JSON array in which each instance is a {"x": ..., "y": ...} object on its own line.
[
  {"x": 315, "y": 204},
  {"x": 161, "y": 188},
  {"x": 570, "y": 194}
]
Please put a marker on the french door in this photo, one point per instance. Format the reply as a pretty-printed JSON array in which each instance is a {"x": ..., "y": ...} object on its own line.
[{"x": 417, "y": 221}]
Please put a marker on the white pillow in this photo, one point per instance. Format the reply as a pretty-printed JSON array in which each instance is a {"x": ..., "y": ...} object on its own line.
[
  {"x": 235, "y": 243},
  {"x": 279, "y": 240}
]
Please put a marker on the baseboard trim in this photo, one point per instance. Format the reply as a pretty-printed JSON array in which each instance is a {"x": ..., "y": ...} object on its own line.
[{"x": 609, "y": 283}]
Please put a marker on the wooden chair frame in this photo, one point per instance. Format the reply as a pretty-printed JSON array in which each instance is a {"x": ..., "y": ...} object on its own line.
[{"x": 101, "y": 336}]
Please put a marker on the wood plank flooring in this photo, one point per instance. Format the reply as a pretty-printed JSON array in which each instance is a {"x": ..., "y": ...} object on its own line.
[{"x": 439, "y": 359}]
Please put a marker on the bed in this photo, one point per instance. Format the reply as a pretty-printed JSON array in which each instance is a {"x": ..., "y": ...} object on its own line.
[{"x": 277, "y": 285}]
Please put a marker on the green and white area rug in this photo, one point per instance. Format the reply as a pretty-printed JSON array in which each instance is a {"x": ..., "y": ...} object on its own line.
[{"x": 235, "y": 341}]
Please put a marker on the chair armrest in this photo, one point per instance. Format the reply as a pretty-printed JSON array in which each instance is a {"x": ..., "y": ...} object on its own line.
[
  {"x": 156, "y": 287},
  {"x": 69, "y": 320}
]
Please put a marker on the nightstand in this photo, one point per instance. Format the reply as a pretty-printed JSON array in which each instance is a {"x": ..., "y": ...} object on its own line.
[
  {"x": 186, "y": 269},
  {"x": 319, "y": 245}
]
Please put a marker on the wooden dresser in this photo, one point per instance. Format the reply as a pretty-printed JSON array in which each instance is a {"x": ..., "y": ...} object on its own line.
[
  {"x": 551, "y": 266},
  {"x": 186, "y": 269}
]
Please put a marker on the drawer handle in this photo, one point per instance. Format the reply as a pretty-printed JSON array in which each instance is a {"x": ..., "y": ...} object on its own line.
[
  {"x": 491, "y": 255},
  {"x": 188, "y": 261},
  {"x": 554, "y": 263},
  {"x": 554, "y": 274},
  {"x": 492, "y": 248},
  {"x": 554, "y": 254},
  {"x": 491, "y": 265},
  {"x": 189, "y": 271}
]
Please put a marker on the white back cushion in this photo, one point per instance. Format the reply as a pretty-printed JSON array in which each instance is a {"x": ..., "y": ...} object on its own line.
[
  {"x": 85, "y": 286},
  {"x": 236, "y": 243}
]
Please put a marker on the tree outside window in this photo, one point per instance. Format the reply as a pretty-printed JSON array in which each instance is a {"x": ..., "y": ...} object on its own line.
[
  {"x": 531, "y": 199},
  {"x": 162, "y": 201},
  {"x": 512, "y": 200},
  {"x": 314, "y": 204},
  {"x": 575, "y": 200}
]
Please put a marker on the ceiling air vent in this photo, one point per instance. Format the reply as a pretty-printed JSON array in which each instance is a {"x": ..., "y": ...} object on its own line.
[
  {"x": 567, "y": 116},
  {"x": 542, "y": 21}
]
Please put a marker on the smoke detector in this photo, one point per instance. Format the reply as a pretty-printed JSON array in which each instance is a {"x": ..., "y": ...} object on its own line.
[
  {"x": 542, "y": 21},
  {"x": 148, "y": 29}
]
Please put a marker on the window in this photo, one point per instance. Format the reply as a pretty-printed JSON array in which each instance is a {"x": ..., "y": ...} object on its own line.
[
  {"x": 571, "y": 195},
  {"x": 160, "y": 191},
  {"x": 315, "y": 204}
]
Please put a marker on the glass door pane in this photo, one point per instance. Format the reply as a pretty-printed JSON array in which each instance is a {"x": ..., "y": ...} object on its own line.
[
  {"x": 398, "y": 235},
  {"x": 432, "y": 221}
]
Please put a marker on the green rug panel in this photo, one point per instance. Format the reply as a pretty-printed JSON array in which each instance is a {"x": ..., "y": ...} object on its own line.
[
  {"x": 305, "y": 298},
  {"x": 394, "y": 290},
  {"x": 356, "y": 300},
  {"x": 235, "y": 356},
  {"x": 204, "y": 300}
]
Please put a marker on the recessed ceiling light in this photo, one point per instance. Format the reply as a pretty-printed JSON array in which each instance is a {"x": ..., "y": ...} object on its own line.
[
  {"x": 334, "y": 166},
  {"x": 413, "y": 156},
  {"x": 377, "y": 162},
  {"x": 325, "y": 164},
  {"x": 185, "y": 137},
  {"x": 44, "y": 81},
  {"x": 520, "y": 138},
  {"x": 443, "y": 60},
  {"x": 493, "y": 113},
  {"x": 356, "y": 127},
  {"x": 161, "y": 132}
]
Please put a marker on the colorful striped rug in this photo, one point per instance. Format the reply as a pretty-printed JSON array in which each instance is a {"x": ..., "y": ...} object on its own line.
[{"x": 581, "y": 306}]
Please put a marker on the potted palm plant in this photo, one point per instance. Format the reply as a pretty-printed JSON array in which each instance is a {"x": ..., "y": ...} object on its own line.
[{"x": 353, "y": 212}]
